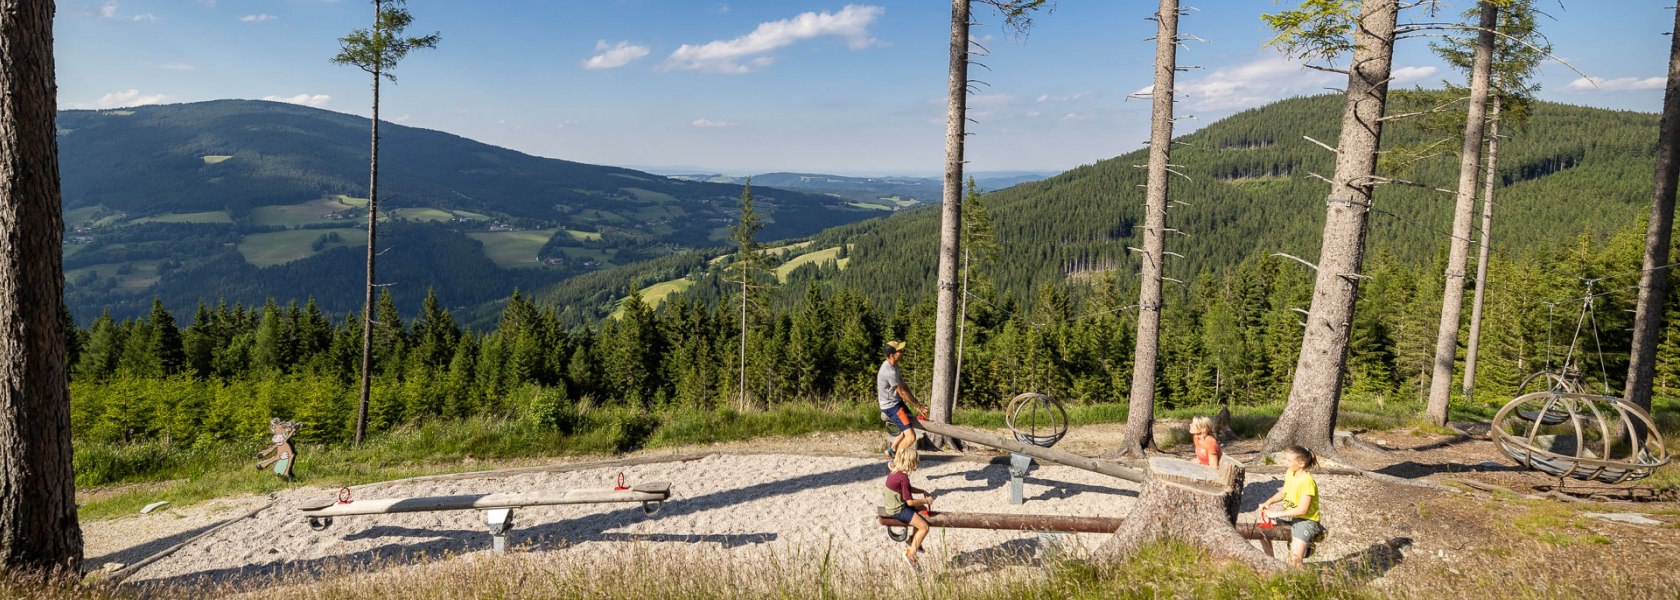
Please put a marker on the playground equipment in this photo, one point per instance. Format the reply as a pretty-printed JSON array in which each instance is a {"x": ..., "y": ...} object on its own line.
[
  {"x": 281, "y": 447},
  {"x": 497, "y": 508},
  {"x": 1588, "y": 437},
  {"x": 1036, "y": 419},
  {"x": 898, "y": 530}
]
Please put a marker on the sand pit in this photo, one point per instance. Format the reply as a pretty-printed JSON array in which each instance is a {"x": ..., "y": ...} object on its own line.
[{"x": 740, "y": 506}]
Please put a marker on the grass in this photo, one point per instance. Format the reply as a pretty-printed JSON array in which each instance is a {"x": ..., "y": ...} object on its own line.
[
  {"x": 583, "y": 236},
  {"x": 826, "y": 255},
  {"x": 513, "y": 249},
  {"x": 77, "y": 216},
  {"x": 869, "y": 205},
  {"x": 214, "y": 216},
  {"x": 650, "y": 196},
  {"x": 655, "y": 294},
  {"x": 419, "y": 214},
  {"x": 303, "y": 213},
  {"x": 280, "y": 247}
]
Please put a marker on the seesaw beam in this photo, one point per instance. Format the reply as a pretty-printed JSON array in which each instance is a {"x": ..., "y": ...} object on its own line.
[
  {"x": 648, "y": 492},
  {"x": 1060, "y": 524},
  {"x": 1059, "y": 457}
]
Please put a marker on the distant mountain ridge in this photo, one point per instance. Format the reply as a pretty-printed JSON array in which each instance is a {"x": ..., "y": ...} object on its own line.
[{"x": 885, "y": 192}]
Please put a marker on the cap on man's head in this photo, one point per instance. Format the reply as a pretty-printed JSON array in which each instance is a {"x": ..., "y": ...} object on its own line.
[{"x": 893, "y": 348}]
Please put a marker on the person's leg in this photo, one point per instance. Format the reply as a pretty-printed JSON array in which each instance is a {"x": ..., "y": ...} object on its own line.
[
  {"x": 920, "y": 524},
  {"x": 1297, "y": 552},
  {"x": 904, "y": 439}
]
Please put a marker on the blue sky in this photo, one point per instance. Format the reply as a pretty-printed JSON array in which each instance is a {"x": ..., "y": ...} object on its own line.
[{"x": 752, "y": 86}]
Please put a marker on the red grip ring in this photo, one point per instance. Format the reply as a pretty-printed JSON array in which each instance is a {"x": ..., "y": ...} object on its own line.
[{"x": 344, "y": 495}]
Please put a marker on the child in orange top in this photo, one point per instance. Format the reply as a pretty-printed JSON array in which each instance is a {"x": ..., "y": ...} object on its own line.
[{"x": 1207, "y": 448}]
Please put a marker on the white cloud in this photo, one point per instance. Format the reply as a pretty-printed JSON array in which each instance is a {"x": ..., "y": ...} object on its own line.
[
  {"x": 749, "y": 52},
  {"x": 258, "y": 18},
  {"x": 403, "y": 118},
  {"x": 315, "y": 100},
  {"x": 122, "y": 99},
  {"x": 1260, "y": 81},
  {"x": 723, "y": 9},
  {"x": 711, "y": 123},
  {"x": 1411, "y": 74},
  {"x": 147, "y": 17},
  {"x": 1075, "y": 97},
  {"x": 109, "y": 10},
  {"x": 1619, "y": 84},
  {"x": 612, "y": 56}
]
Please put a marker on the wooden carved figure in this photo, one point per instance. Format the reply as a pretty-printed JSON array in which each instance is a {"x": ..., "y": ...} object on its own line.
[{"x": 281, "y": 448}]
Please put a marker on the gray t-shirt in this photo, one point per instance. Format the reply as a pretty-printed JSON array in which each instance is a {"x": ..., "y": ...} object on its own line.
[{"x": 887, "y": 381}]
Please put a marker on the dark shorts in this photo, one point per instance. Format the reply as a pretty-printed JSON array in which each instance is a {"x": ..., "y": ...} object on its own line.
[
  {"x": 897, "y": 416},
  {"x": 1303, "y": 529},
  {"x": 906, "y": 515}
]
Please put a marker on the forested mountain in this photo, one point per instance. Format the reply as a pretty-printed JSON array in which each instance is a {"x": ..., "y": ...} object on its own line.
[
  {"x": 213, "y": 200},
  {"x": 1248, "y": 192},
  {"x": 887, "y": 193}
]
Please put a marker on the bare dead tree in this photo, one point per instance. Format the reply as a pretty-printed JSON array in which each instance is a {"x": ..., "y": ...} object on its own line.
[
  {"x": 1140, "y": 418},
  {"x": 1458, "y": 252},
  {"x": 1653, "y": 281},
  {"x": 1473, "y": 346},
  {"x": 38, "y": 526}
]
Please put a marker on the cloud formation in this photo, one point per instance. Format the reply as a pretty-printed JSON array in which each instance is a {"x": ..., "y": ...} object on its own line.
[
  {"x": 315, "y": 100},
  {"x": 750, "y": 52},
  {"x": 1411, "y": 74},
  {"x": 1260, "y": 81},
  {"x": 612, "y": 56},
  {"x": 711, "y": 123},
  {"x": 1619, "y": 84},
  {"x": 110, "y": 10},
  {"x": 121, "y": 100},
  {"x": 258, "y": 18}
]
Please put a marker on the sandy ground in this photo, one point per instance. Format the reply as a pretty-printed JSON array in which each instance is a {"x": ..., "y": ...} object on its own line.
[{"x": 786, "y": 497}]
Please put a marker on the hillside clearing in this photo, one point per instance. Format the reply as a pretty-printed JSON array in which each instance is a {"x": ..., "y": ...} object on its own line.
[
  {"x": 305, "y": 213},
  {"x": 513, "y": 249},
  {"x": 280, "y": 247},
  {"x": 817, "y": 257},
  {"x": 655, "y": 294},
  {"x": 215, "y": 216}
]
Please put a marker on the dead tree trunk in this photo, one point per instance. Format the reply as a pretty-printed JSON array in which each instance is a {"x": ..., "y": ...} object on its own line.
[
  {"x": 950, "y": 225},
  {"x": 1458, "y": 253},
  {"x": 1473, "y": 346},
  {"x": 1140, "y": 416},
  {"x": 372, "y": 251},
  {"x": 1309, "y": 418},
  {"x": 1194, "y": 504},
  {"x": 1653, "y": 281},
  {"x": 38, "y": 527}
]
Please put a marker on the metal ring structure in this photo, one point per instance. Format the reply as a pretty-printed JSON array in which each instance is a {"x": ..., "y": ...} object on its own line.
[
  {"x": 320, "y": 523},
  {"x": 898, "y": 534},
  {"x": 1040, "y": 410},
  {"x": 652, "y": 508},
  {"x": 1573, "y": 435}
]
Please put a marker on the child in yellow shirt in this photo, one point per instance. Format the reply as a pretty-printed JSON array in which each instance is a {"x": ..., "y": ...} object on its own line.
[{"x": 1299, "y": 501}]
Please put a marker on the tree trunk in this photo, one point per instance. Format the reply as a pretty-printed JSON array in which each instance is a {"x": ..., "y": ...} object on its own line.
[
  {"x": 746, "y": 271},
  {"x": 1193, "y": 504},
  {"x": 950, "y": 225},
  {"x": 1473, "y": 347},
  {"x": 1653, "y": 281},
  {"x": 1309, "y": 418},
  {"x": 38, "y": 527},
  {"x": 1458, "y": 253},
  {"x": 372, "y": 252},
  {"x": 1140, "y": 416}
]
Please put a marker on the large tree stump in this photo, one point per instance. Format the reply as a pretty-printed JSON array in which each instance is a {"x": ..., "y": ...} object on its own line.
[{"x": 1192, "y": 503}]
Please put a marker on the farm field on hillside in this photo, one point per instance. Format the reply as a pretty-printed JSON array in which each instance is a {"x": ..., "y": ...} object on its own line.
[
  {"x": 280, "y": 247},
  {"x": 513, "y": 249}
]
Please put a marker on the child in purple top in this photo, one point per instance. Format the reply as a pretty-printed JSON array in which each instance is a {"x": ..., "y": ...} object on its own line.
[{"x": 899, "y": 500}]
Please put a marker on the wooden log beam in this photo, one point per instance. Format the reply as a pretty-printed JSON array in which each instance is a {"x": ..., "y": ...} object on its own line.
[
  {"x": 1059, "y": 457},
  {"x": 1060, "y": 524},
  {"x": 649, "y": 492}
]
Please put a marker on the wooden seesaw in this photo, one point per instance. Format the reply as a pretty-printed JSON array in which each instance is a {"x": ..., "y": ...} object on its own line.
[
  {"x": 498, "y": 508},
  {"x": 1180, "y": 499}
]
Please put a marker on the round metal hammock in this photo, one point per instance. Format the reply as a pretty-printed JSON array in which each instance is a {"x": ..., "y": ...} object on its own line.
[
  {"x": 1037, "y": 419},
  {"x": 1589, "y": 437}
]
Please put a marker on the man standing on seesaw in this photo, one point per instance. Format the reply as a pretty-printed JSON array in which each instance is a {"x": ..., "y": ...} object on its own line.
[{"x": 892, "y": 395}]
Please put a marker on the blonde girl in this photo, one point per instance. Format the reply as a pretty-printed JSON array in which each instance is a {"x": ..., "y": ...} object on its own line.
[
  {"x": 1201, "y": 436},
  {"x": 900, "y": 501}
]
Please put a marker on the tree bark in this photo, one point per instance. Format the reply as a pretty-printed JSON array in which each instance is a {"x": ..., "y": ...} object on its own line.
[
  {"x": 38, "y": 526},
  {"x": 1140, "y": 416},
  {"x": 1194, "y": 504},
  {"x": 950, "y": 226},
  {"x": 1458, "y": 253},
  {"x": 372, "y": 249},
  {"x": 1653, "y": 281},
  {"x": 1473, "y": 346},
  {"x": 1309, "y": 418}
]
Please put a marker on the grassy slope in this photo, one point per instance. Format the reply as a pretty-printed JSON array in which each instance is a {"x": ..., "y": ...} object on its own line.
[
  {"x": 280, "y": 247},
  {"x": 513, "y": 249}
]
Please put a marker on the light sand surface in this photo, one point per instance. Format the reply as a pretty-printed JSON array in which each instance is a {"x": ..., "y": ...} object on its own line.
[{"x": 744, "y": 507}]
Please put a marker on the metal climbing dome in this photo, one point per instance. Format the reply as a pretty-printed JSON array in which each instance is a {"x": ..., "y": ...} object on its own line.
[{"x": 1590, "y": 437}]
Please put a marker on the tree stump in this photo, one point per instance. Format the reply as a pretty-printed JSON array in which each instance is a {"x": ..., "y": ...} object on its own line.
[{"x": 1192, "y": 503}]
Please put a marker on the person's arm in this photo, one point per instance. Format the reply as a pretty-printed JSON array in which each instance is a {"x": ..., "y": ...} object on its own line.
[
  {"x": 1214, "y": 454},
  {"x": 1300, "y": 507},
  {"x": 910, "y": 399},
  {"x": 1269, "y": 501}
]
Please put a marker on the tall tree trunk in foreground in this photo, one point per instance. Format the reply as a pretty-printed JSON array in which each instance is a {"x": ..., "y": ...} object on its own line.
[
  {"x": 1309, "y": 419},
  {"x": 1458, "y": 253},
  {"x": 38, "y": 527},
  {"x": 950, "y": 225},
  {"x": 1653, "y": 282},
  {"x": 1473, "y": 346},
  {"x": 1140, "y": 417},
  {"x": 372, "y": 253}
]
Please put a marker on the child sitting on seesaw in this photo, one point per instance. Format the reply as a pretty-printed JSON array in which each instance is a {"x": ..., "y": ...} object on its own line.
[
  {"x": 1299, "y": 505},
  {"x": 899, "y": 501},
  {"x": 1201, "y": 436}
]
